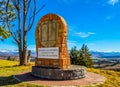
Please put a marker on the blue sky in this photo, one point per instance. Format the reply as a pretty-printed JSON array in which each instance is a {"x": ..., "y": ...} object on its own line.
[{"x": 95, "y": 23}]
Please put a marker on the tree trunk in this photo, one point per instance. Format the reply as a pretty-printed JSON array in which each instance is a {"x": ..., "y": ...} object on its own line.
[
  {"x": 20, "y": 55},
  {"x": 23, "y": 58},
  {"x": 23, "y": 53}
]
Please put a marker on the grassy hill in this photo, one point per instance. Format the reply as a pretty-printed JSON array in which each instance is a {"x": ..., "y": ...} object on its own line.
[{"x": 10, "y": 68}]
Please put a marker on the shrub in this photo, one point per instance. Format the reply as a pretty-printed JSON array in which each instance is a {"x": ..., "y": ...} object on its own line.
[{"x": 82, "y": 57}]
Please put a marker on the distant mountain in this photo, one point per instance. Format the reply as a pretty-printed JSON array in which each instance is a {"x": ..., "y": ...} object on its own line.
[
  {"x": 6, "y": 52},
  {"x": 95, "y": 54}
]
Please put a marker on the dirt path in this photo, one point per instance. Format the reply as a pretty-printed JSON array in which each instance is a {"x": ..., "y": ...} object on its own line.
[{"x": 90, "y": 79}]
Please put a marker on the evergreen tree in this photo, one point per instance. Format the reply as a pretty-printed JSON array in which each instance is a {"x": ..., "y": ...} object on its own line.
[
  {"x": 82, "y": 57},
  {"x": 74, "y": 54},
  {"x": 85, "y": 57}
]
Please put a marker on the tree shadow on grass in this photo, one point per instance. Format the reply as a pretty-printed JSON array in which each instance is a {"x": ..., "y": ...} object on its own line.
[
  {"x": 9, "y": 66},
  {"x": 27, "y": 77},
  {"x": 19, "y": 78},
  {"x": 4, "y": 80}
]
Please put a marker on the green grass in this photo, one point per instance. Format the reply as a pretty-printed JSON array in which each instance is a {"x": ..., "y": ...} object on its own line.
[
  {"x": 10, "y": 68},
  {"x": 112, "y": 77}
]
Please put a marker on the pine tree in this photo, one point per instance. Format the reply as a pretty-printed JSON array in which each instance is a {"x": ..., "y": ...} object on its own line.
[
  {"x": 85, "y": 57},
  {"x": 82, "y": 57},
  {"x": 74, "y": 54}
]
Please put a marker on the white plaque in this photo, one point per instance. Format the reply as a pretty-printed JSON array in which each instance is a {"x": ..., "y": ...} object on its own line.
[{"x": 51, "y": 53}]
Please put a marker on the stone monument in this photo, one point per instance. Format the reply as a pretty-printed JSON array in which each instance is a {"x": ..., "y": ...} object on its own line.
[
  {"x": 51, "y": 42},
  {"x": 53, "y": 61}
]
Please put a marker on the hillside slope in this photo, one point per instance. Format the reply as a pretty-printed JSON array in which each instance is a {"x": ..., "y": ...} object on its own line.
[{"x": 10, "y": 68}]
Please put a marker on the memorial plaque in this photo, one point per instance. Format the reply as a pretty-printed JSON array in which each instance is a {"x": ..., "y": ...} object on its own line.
[
  {"x": 43, "y": 33},
  {"x": 48, "y": 33},
  {"x": 51, "y": 53}
]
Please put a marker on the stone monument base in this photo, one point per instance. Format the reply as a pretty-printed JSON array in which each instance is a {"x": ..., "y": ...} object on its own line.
[{"x": 73, "y": 72}]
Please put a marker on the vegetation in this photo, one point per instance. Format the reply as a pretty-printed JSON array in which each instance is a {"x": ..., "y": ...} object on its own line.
[
  {"x": 10, "y": 58},
  {"x": 74, "y": 54},
  {"x": 4, "y": 16},
  {"x": 10, "y": 68},
  {"x": 3, "y": 33},
  {"x": 20, "y": 8},
  {"x": 19, "y": 14},
  {"x": 82, "y": 57},
  {"x": 112, "y": 77}
]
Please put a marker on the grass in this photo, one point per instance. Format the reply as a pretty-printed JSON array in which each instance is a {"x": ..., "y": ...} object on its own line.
[
  {"x": 10, "y": 68},
  {"x": 112, "y": 77}
]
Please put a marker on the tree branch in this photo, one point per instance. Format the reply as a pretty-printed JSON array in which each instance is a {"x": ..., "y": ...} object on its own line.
[
  {"x": 8, "y": 24},
  {"x": 28, "y": 5},
  {"x": 12, "y": 33},
  {"x": 32, "y": 18}
]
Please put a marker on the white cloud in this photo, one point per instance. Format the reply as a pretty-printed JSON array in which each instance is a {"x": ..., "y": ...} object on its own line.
[
  {"x": 72, "y": 32},
  {"x": 113, "y": 2},
  {"x": 8, "y": 50},
  {"x": 84, "y": 34}
]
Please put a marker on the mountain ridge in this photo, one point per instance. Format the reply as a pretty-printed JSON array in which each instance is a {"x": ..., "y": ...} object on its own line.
[{"x": 95, "y": 54}]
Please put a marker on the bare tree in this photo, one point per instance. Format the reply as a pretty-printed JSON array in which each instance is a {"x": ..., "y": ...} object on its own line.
[{"x": 25, "y": 11}]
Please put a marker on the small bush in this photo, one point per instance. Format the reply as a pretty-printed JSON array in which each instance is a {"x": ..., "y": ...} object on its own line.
[{"x": 9, "y": 58}]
